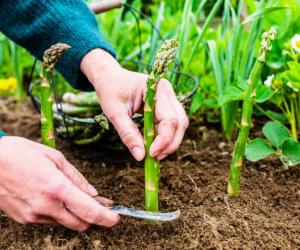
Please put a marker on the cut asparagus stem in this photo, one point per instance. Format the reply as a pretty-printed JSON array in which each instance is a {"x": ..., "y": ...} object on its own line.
[
  {"x": 233, "y": 188},
  {"x": 152, "y": 166},
  {"x": 51, "y": 56}
]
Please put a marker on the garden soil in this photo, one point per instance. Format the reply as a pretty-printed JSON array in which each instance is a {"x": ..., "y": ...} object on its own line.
[{"x": 265, "y": 216}]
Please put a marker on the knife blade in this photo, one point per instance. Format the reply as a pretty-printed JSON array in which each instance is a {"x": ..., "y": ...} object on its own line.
[{"x": 140, "y": 214}]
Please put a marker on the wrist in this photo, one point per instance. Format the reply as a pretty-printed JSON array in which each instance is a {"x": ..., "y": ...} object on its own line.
[{"x": 98, "y": 65}]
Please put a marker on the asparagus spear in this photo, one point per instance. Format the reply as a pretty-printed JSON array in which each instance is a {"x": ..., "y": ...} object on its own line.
[
  {"x": 233, "y": 187},
  {"x": 51, "y": 56},
  {"x": 152, "y": 167}
]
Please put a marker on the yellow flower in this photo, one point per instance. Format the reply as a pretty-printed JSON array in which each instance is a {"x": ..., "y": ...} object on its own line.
[{"x": 8, "y": 84}]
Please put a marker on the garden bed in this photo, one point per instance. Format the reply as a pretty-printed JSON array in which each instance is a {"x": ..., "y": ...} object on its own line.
[{"x": 266, "y": 215}]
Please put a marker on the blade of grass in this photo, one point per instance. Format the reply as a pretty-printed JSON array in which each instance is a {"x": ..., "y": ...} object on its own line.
[
  {"x": 203, "y": 31},
  {"x": 200, "y": 8},
  {"x": 155, "y": 35},
  {"x": 262, "y": 12},
  {"x": 184, "y": 30}
]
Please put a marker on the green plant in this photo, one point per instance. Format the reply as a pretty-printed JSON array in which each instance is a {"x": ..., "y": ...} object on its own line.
[
  {"x": 51, "y": 57},
  {"x": 279, "y": 143},
  {"x": 232, "y": 55},
  {"x": 233, "y": 188},
  {"x": 163, "y": 58},
  {"x": 18, "y": 70}
]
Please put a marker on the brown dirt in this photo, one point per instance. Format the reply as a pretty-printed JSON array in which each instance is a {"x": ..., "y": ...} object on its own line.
[{"x": 265, "y": 216}]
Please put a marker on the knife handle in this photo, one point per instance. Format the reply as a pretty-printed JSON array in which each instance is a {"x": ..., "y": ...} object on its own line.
[{"x": 100, "y": 7}]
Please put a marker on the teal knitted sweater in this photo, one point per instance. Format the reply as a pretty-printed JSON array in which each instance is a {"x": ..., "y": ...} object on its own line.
[{"x": 38, "y": 24}]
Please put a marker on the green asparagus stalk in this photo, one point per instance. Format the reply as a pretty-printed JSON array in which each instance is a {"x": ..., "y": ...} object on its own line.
[
  {"x": 51, "y": 56},
  {"x": 152, "y": 166},
  {"x": 233, "y": 188}
]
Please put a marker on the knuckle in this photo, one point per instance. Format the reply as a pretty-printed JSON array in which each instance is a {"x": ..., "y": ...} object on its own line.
[
  {"x": 30, "y": 218},
  {"x": 95, "y": 218},
  {"x": 36, "y": 210},
  {"x": 54, "y": 187},
  {"x": 58, "y": 156},
  {"x": 185, "y": 123},
  {"x": 127, "y": 137},
  {"x": 171, "y": 122},
  {"x": 83, "y": 228}
]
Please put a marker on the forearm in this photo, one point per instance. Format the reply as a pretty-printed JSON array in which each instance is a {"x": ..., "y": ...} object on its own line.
[{"x": 38, "y": 24}]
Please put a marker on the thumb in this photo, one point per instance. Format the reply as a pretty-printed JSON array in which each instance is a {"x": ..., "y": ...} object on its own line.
[
  {"x": 70, "y": 171},
  {"x": 129, "y": 134}
]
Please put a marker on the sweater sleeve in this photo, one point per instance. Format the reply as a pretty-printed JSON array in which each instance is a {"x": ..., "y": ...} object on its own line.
[{"x": 38, "y": 24}]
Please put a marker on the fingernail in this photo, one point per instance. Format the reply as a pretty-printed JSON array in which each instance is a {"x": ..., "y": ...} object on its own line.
[
  {"x": 137, "y": 153},
  {"x": 92, "y": 190}
]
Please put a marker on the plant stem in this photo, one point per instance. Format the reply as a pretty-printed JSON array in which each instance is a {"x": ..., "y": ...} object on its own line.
[
  {"x": 152, "y": 166},
  {"x": 233, "y": 188},
  {"x": 51, "y": 57},
  {"x": 292, "y": 119},
  {"x": 18, "y": 70},
  {"x": 264, "y": 112},
  {"x": 199, "y": 38}
]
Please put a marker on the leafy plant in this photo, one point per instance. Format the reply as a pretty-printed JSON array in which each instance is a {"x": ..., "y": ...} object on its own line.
[
  {"x": 284, "y": 90},
  {"x": 279, "y": 143},
  {"x": 232, "y": 56}
]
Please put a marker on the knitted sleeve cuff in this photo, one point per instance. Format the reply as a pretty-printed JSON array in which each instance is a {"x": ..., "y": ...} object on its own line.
[
  {"x": 38, "y": 24},
  {"x": 69, "y": 64},
  {"x": 82, "y": 34}
]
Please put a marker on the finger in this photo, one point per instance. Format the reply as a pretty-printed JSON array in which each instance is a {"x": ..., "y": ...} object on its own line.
[
  {"x": 129, "y": 134},
  {"x": 68, "y": 169},
  {"x": 165, "y": 134},
  {"x": 44, "y": 220},
  {"x": 18, "y": 210},
  {"x": 182, "y": 125},
  {"x": 174, "y": 145},
  {"x": 86, "y": 207},
  {"x": 67, "y": 219},
  {"x": 104, "y": 201}
]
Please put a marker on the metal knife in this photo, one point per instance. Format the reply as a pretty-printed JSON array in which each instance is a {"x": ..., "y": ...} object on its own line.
[{"x": 140, "y": 214}]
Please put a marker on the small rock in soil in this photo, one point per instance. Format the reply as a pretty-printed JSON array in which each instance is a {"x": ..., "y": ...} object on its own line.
[{"x": 155, "y": 236}]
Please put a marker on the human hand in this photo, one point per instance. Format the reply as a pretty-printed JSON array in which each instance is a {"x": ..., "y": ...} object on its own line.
[
  {"x": 121, "y": 94},
  {"x": 38, "y": 185}
]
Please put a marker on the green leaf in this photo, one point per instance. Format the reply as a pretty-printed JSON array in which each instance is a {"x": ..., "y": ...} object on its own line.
[
  {"x": 276, "y": 133},
  {"x": 290, "y": 152},
  {"x": 263, "y": 94},
  {"x": 197, "y": 102},
  {"x": 277, "y": 116},
  {"x": 231, "y": 94},
  {"x": 258, "y": 149},
  {"x": 262, "y": 12},
  {"x": 293, "y": 73}
]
